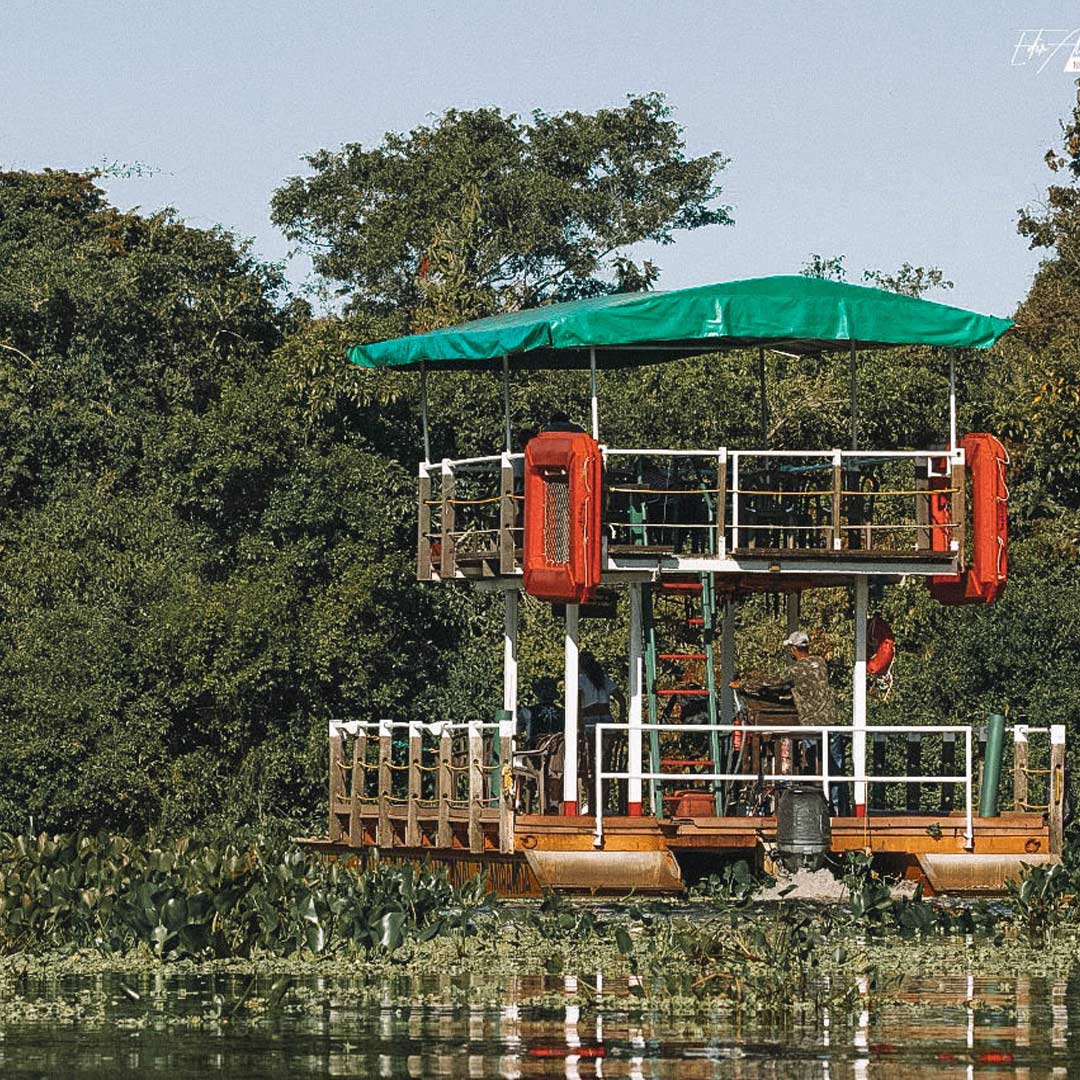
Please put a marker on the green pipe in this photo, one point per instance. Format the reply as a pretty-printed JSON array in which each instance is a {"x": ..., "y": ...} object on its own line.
[{"x": 995, "y": 744}]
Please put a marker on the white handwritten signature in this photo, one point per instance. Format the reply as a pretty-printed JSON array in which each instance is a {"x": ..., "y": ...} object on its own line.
[{"x": 1042, "y": 46}]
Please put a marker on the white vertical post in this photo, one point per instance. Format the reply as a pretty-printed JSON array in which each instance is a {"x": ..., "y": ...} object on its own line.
[
  {"x": 734, "y": 459},
  {"x": 858, "y": 693},
  {"x": 727, "y": 664},
  {"x": 510, "y": 658},
  {"x": 506, "y": 398},
  {"x": 952, "y": 401},
  {"x": 634, "y": 717},
  {"x": 570, "y": 710},
  {"x": 592, "y": 393},
  {"x": 825, "y": 785}
]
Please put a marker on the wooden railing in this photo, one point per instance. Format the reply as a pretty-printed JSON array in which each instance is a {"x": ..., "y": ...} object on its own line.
[
  {"x": 417, "y": 785},
  {"x": 470, "y": 512}
]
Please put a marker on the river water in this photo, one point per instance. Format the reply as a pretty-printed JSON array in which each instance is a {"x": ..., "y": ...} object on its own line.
[{"x": 230, "y": 1026}]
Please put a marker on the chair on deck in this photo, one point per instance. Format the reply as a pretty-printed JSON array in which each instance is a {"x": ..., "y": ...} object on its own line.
[{"x": 538, "y": 773}]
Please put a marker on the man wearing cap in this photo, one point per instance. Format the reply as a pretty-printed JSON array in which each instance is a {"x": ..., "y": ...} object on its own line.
[{"x": 807, "y": 680}]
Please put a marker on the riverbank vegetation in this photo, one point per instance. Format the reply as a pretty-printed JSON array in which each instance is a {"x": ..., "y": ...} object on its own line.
[
  {"x": 212, "y": 899},
  {"x": 207, "y": 516}
]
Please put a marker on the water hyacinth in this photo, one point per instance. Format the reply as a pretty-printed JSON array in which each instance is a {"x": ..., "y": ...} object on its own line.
[{"x": 199, "y": 900}]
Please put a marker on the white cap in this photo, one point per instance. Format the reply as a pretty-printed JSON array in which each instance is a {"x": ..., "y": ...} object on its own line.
[{"x": 799, "y": 638}]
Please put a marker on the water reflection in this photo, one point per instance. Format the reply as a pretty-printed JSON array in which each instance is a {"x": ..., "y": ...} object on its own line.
[{"x": 940, "y": 1027}]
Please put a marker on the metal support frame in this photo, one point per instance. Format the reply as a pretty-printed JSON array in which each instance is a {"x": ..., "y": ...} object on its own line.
[
  {"x": 594, "y": 403},
  {"x": 727, "y": 663},
  {"x": 635, "y": 702},
  {"x": 649, "y": 625},
  {"x": 424, "y": 412},
  {"x": 854, "y": 398},
  {"x": 734, "y": 459},
  {"x": 952, "y": 401},
  {"x": 858, "y": 693},
  {"x": 570, "y": 715},
  {"x": 708, "y": 635},
  {"x": 506, "y": 399},
  {"x": 764, "y": 401},
  {"x": 510, "y": 659}
]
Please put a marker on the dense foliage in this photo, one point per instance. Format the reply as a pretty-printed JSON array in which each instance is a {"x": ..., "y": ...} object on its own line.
[
  {"x": 207, "y": 518},
  {"x": 200, "y": 559},
  {"x": 479, "y": 210}
]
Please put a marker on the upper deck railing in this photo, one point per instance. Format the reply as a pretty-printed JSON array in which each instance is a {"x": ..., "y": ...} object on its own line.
[{"x": 712, "y": 509}]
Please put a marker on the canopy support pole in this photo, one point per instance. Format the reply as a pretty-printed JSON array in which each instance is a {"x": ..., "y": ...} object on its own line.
[
  {"x": 854, "y": 399},
  {"x": 952, "y": 401},
  {"x": 506, "y": 398},
  {"x": 570, "y": 715},
  {"x": 764, "y": 399},
  {"x": 424, "y": 412},
  {"x": 636, "y": 705},
  {"x": 858, "y": 692},
  {"x": 592, "y": 391}
]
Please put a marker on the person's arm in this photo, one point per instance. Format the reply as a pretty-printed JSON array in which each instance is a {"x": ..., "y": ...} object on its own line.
[{"x": 782, "y": 685}]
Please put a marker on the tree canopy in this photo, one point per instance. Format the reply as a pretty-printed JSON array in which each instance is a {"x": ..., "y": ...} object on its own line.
[{"x": 480, "y": 211}]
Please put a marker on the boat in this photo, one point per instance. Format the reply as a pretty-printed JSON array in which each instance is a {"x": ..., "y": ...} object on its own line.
[{"x": 692, "y": 774}]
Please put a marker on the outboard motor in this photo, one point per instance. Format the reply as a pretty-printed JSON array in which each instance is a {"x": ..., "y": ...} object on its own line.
[{"x": 803, "y": 826}]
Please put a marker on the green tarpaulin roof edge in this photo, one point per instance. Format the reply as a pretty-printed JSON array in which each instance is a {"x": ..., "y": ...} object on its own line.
[{"x": 626, "y": 329}]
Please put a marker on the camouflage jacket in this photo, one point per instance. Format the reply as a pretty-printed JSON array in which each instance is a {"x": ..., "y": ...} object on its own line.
[{"x": 808, "y": 681}]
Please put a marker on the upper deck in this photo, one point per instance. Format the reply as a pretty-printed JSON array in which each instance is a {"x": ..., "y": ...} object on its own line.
[{"x": 825, "y": 513}]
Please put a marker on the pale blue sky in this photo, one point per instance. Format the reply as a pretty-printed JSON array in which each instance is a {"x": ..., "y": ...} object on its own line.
[{"x": 884, "y": 133}]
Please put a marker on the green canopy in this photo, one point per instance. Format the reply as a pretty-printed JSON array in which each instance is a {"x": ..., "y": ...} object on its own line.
[{"x": 791, "y": 313}]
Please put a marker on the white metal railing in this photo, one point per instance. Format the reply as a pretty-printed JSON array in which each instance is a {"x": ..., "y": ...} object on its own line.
[
  {"x": 825, "y": 778},
  {"x": 715, "y": 486},
  {"x": 469, "y": 507},
  {"x": 838, "y": 524},
  {"x": 432, "y": 727}
]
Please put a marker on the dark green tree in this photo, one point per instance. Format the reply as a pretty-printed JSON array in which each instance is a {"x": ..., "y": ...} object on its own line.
[
  {"x": 204, "y": 543},
  {"x": 480, "y": 211}
]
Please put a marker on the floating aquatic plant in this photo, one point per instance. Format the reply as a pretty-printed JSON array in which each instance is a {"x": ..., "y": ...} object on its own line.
[{"x": 207, "y": 900}]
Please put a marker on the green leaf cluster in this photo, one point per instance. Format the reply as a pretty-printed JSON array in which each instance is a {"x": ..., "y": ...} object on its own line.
[{"x": 215, "y": 899}]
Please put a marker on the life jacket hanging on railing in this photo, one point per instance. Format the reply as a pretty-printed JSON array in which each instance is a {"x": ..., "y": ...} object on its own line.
[
  {"x": 563, "y": 489},
  {"x": 984, "y": 581},
  {"x": 881, "y": 646}
]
